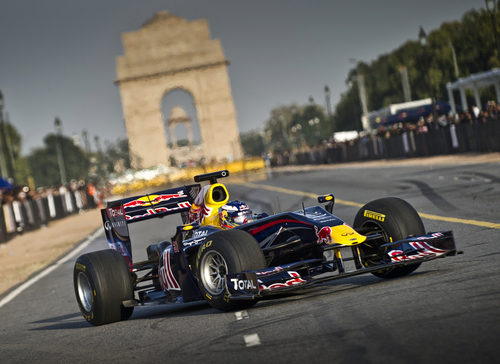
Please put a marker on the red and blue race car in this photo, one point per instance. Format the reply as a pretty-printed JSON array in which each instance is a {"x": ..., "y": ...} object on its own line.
[{"x": 230, "y": 257}]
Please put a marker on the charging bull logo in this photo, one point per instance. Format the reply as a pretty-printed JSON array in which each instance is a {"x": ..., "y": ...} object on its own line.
[
  {"x": 324, "y": 234},
  {"x": 150, "y": 200}
]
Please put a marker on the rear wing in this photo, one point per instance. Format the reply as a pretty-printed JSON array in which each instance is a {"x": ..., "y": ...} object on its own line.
[{"x": 119, "y": 213}]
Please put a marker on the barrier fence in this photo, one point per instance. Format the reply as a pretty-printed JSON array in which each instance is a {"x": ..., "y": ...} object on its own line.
[
  {"x": 180, "y": 175},
  {"x": 32, "y": 212},
  {"x": 482, "y": 136},
  {"x": 29, "y": 212}
]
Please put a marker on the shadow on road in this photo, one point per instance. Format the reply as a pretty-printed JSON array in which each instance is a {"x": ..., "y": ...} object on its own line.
[
  {"x": 201, "y": 308},
  {"x": 64, "y": 322}
]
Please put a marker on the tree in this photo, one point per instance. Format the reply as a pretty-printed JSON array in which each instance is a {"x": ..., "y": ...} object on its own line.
[
  {"x": 278, "y": 126},
  {"x": 22, "y": 171},
  {"x": 429, "y": 67},
  {"x": 11, "y": 149},
  {"x": 294, "y": 126},
  {"x": 44, "y": 166},
  {"x": 347, "y": 115},
  {"x": 314, "y": 124},
  {"x": 253, "y": 143},
  {"x": 117, "y": 157}
]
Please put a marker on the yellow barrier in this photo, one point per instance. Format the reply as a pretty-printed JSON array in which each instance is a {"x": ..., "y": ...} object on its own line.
[{"x": 187, "y": 174}]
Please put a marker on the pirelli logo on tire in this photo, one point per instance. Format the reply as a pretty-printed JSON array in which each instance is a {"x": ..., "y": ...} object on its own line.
[{"x": 374, "y": 215}]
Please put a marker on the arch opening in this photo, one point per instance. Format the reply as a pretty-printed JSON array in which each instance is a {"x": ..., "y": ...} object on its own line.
[{"x": 182, "y": 128}]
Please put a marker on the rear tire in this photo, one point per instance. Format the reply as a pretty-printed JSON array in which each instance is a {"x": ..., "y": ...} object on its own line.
[
  {"x": 228, "y": 251},
  {"x": 102, "y": 281},
  {"x": 396, "y": 219}
]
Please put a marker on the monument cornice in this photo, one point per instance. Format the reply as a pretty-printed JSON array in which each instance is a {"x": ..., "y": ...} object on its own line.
[{"x": 171, "y": 72}]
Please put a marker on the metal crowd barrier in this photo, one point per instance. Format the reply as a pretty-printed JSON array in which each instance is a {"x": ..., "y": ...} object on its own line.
[
  {"x": 477, "y": 137},
  {"x": 28, "y": 214}
]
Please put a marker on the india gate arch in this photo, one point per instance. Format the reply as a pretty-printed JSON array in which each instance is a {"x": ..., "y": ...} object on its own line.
[{"x": 168, "y": 53}]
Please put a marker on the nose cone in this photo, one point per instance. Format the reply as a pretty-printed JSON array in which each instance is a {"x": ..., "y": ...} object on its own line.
[{"x": 346, "y": 235}]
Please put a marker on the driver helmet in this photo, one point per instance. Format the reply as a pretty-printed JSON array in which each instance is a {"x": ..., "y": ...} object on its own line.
[{"x": 234, "y": 213}]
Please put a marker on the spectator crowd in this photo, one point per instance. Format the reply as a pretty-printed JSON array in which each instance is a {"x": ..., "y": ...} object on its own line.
[
  {"x": 23, "y": 209},
  {"x": 476, "y": 131}
]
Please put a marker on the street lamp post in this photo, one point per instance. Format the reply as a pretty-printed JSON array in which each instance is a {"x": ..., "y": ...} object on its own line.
[
  {"x": 284, "y": 133},
  {"x": 360, "y": 80},
  {"x": 405, "y": 83},
  {"x": 7, "y": 140},
  {"x": 327, "y": 100},
  {"x": 454, "y": 58},
  {"x": 60, "y": 158},
  {"x": 492, "y": 9},
  {"x": 3, "y": 164},
  {"x": 422, "y": 37},
  {"x": 296, "y": 132}
]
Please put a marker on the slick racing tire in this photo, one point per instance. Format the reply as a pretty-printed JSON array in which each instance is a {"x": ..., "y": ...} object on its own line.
[
  {"x": 102, "y": 282},
  {"x": 396, "y": 219},
  {"x": 228, "y": 251}
]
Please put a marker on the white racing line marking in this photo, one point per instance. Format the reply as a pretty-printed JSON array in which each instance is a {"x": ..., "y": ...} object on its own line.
[
  {"x": 240, "y": 315},
  {"x": 50, "y": 269},
  {"x": 251, "y": 340}
]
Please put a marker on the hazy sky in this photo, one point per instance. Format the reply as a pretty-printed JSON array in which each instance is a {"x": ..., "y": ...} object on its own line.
[{"x": 57, "y": 57}]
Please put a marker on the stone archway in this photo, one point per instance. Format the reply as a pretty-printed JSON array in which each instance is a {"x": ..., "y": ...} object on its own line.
[
  {"x": 179, "y": 116},
  {"x": 167, "y": 53}
]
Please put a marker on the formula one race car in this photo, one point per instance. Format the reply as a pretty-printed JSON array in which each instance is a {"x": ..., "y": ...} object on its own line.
[{"x": 228, "y": 256}]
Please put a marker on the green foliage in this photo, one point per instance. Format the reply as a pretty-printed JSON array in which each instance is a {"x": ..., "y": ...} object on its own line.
[
  {"x": 116, "y": 157},
  {"x": 429, "y": 67},
  {"x": 22, "y": 171},
  {"x": 347, "y": 115},
  {"x": 295, "y": 126},
  {"x": 253, "y": 143},
  {"x": 11, "y": 148},
  {"x": 45, "y": 168},
  {"x": 277, "y": 126}
]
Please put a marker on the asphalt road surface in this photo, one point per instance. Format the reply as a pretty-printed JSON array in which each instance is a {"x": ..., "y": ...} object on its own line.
[{"x": 446, "y": 312}]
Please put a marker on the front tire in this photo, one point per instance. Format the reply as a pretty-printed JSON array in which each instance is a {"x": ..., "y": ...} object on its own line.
[
  {"x": 102, "y": 281},
  {"x": 396, "y": 219},
  {"x": 228, "y": 251}
]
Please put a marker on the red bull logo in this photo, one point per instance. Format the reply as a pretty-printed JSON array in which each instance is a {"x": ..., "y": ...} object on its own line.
[
  {"x": 159, "y": 210},
  {"x": 296, "y": 280},
  {"x": 324, "y": 234},
  {"x": 150, "y": 200}
]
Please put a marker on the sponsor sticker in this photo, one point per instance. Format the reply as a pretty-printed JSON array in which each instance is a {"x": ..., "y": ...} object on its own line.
[
  {"x": 200, "y": 233},
  {"x": 374, "y": 215},
  {"x": 114, "y": 211},
  {"x": 320, "y": 217},
  {"x": 242, "y": 283},
  {"x": 114, "y": 224}
]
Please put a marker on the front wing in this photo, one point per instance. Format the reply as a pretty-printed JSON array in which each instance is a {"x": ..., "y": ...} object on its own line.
[{"x": 275, "y": 280}]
